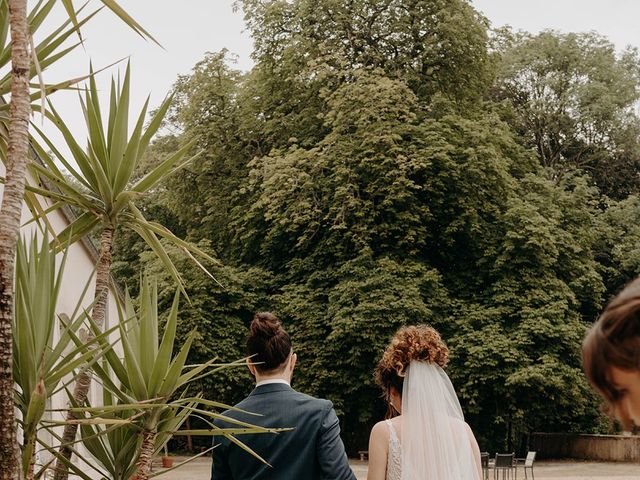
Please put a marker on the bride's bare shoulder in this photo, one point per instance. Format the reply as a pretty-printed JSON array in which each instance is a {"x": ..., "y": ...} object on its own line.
[
  {"x": 380, "y": 429},
  {"x": 378, "y": 451},
  {"x": 380, "y": 433}
]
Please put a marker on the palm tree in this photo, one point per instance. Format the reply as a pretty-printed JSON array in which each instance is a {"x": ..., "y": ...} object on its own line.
[
  {"x": 104, "y": 191},
  {"x": 10, "y": 211},
  {"x": 14, "y": 14}
]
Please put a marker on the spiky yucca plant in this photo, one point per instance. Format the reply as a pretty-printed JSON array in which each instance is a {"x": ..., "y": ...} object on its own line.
[
  {"x": 144, "y": 401},
  {"x": 104, "y": 190},
  {"x": 43, "y": 359}
]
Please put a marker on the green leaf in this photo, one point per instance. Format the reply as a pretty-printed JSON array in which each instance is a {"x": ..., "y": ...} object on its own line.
[
  {"x": 166, "y": 168},
  {"x": 163, "y": 359}
]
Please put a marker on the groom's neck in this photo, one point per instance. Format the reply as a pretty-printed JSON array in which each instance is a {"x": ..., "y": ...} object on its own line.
[
  {"x": 278, "y": 376},
  {"x": 284, "y": 374}
]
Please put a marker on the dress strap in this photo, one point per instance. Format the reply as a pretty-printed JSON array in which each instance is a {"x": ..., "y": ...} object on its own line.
[
  {"x": 394, "y": 458},
  {"x": 392, "y": 431}
]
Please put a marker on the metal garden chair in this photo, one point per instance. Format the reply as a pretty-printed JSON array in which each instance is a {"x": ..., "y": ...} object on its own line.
[
  {"x": 527, "y": 463},
  {"x": 505, "y": 463}
]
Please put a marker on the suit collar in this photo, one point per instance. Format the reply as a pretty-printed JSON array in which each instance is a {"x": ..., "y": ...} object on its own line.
[{"x": 270, "y": 388}]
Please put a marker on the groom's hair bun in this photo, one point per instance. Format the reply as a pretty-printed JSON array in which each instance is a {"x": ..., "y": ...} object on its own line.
[
  {"x": 268, "y": 344},
  {"x": 421, "y": 343}
]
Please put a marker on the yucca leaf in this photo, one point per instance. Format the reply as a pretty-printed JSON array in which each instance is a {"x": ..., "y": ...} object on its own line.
[
  {"x": 43, "y": 469},
  {"x": 150, "y": 239},
  {"x": 38, "y": 214},
  {"x": 116, "y": 9},
  {"x": 202, "y": 432},
  {"x": 217, "y": 368},
  {"x": 220, "y": 416},
  {"x": 132, "y": 153},
  {"x": 121, "y": 407},
  {"x": 166, "y": 233},
  {"x": 38, "y": 14},
  {"x": 113, "y": 360},
  {"x": 191, "y": 374},
  {"x": 60, "y": 200},
  {"x": 127, "y": 19},
  {"x": 123, "y": 199},
  {"x": 170, "y": 381},
  {"x": 92, "y": 421},
  {"x": 70, "y": 465},
  {"x": 246, "y": 448},
  {"x": 56, "y": 38},
  {"x": 163, "y": 359},
  {"x": 86, "y": 349},
  {"x": 72, "y": 195},
  {"x": 148, "y": 333},
  {"x": 134, "y": 374},
  {"x": 5, "y": 53},
  {"x": 65, "y": 369},
  {"x": 93, "y": 441},
  {"x": 113, "y": 109},
  {"x": 155, "y": 123},
  {"x": 56, "y": 354},
  {"x": 214, "y": 404},
  {"x": 118, "y": 134},
  {"x": 71, "y": 12},
  {"x": 49, "y": 161},
  {"x": 81, "y": 226},
  {"x": 165, "y": 168},
  {"x": 178, "y": 465},
  {"x": 94, "y": 119},
  {"x": 78, "y": 153}
]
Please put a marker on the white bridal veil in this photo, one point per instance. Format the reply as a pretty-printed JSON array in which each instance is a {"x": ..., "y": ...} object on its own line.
[{"x": 435, "y": 440}]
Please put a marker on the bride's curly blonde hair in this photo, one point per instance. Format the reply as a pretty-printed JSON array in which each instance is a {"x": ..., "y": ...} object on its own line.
[{"x": 419, "y": 342}]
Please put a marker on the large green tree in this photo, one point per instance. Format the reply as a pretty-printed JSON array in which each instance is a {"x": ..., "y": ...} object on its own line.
[
  {"x": 357, "y": 179},
  {"x": 618, "y": 230},
  {"x": 520, "y": 338},
  {"x": 573, "y": 98}
]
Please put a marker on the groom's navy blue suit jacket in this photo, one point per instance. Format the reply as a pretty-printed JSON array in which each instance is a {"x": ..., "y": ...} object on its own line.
[{"x": 313, "y": 450}]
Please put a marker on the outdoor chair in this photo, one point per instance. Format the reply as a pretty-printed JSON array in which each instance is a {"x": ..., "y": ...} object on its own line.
[
  {"x": 505, "y": 463},
  {"x": 527, "y": 463},
  {"x": 484, "y": 461}
]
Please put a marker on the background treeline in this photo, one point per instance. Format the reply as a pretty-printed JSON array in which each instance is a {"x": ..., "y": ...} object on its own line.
[{"x": 394, "y": 161}]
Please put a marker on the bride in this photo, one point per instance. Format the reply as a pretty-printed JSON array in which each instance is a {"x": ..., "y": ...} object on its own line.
[{"x": 428, "y": 438}]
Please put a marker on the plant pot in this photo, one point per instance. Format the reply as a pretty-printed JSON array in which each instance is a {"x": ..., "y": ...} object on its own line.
[{"x": 167, "y": 462}]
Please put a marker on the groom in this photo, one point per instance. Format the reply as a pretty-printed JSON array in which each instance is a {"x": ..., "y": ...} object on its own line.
[{"x": 311, "y": 450}]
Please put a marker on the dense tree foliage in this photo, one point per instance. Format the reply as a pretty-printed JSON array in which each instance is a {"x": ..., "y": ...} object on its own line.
[
  {"x": 574, "y": 99},
  {"x": 383, "y": 164}
]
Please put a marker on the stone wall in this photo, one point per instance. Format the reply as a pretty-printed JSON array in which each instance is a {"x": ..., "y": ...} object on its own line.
[{"x": 613, "y": 448}]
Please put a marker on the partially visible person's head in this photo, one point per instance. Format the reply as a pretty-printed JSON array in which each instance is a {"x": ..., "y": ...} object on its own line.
[
  {"x": 611, "y": 354},
  {"x": 421, "y": 343},
  {"x": 268, "y": 344}
]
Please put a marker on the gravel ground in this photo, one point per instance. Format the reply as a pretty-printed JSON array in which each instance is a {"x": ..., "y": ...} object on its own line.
[{"x": 200, "y": 469}]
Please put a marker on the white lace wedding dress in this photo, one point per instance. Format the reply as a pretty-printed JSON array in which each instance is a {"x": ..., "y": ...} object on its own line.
[
  {"x": 436, "y": 442},
  {"x": 394, "y": 458}
]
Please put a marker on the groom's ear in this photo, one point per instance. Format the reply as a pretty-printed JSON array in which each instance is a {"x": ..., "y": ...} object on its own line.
[
  {"x": 294, "y": 360},
  {"x": 251, "y": 366}
]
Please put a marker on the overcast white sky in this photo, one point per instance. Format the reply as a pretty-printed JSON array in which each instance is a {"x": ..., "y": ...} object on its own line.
[{"x": 189, "y": 28}]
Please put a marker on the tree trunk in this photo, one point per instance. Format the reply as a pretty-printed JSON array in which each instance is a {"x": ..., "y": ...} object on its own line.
[
  {"x": 83, "y": 380},
  {"x": 146, "y": 454},
  {"x": 10, "y": 212},
  {"x": 32, "y": 462},
  {"x": 189, "y": 438}
]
